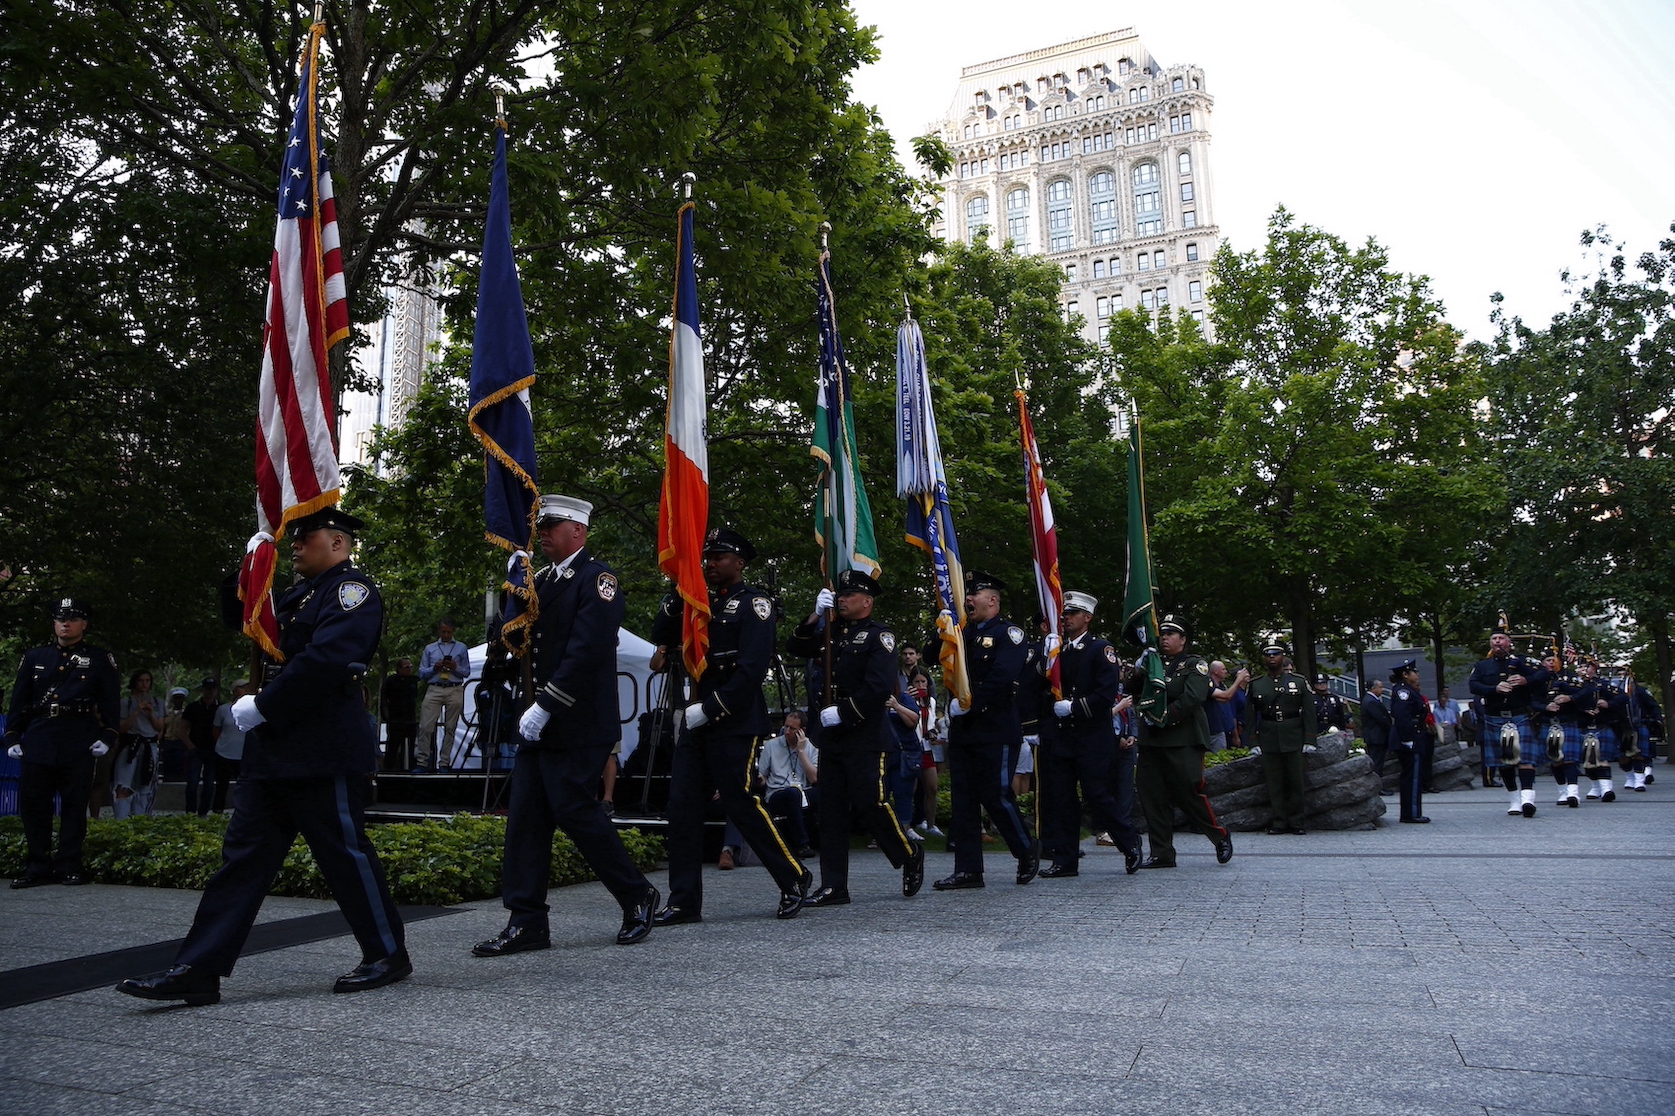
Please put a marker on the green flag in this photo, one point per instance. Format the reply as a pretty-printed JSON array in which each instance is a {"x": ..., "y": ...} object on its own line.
[
  {"x": 1139, "y": 608},
  {"x": 842, "y": 516}
]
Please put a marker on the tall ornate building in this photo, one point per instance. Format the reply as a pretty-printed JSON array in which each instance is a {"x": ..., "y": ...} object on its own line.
[
  {"x": 1096, "y": 156},
  {"x": 402, "y": 346}
]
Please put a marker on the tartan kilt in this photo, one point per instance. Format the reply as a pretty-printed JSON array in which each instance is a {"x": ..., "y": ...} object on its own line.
[
  {"x": 1572, "y": 741},
  {"x": 1607, "y": 744},
  {"x": 1489, "y": 739}
]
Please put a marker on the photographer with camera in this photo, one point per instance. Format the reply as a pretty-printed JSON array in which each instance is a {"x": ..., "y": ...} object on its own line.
[{"x": 444, "y": 668}]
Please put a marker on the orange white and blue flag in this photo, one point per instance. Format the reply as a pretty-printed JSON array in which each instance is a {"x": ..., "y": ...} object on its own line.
[
  {"x": 1043, "y": 539},
  {"x": 685, "y": 509}
]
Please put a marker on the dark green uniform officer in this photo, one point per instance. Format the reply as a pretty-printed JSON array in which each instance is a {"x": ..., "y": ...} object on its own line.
[
  {"x": 1171, "y": 769},
  {"x": 1279, "y": 718}
]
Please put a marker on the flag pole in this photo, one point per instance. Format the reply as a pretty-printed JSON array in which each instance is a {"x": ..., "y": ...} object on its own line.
[{"x": 827, "y": 688}]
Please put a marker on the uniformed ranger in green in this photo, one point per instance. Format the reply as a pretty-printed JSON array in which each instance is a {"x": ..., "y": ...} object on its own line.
[
  {"x": 1279, "y": 717},
  {"x": 1171, "y": 767}
]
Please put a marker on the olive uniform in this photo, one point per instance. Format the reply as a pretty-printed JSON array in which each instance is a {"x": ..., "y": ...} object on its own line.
[
  {"x": 1170, "y": 773},
  {"x": 1280, "y": 719}
]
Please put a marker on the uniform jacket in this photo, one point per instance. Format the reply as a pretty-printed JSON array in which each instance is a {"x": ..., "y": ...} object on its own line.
[
  {"x": 82, "y": 679},
  {"x": 1035, "y": 693},
  {"x": 996, "y": 653},
  {"x": 1582, "y": 696},
  {"x": 741, "y": 653},
  {"x": 1408, "y": 711},
  {"x": 1091, "y": 684},
  {"x": 863, "y": 679},
  {"x": 1186, "y": 685},
  {"x": 1330, "y": 712},
  {"x": 582, "y": 606},
  {"x": 1491, "y": 672},
  {"x": 1279, "y": 713},
  {"x": 316, "y": 722}
]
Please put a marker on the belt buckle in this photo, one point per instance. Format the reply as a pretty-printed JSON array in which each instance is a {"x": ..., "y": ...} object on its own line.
[{"x": 54, "y": 709}]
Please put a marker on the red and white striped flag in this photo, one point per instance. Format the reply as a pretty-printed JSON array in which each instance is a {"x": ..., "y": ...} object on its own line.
[
  {"x": 685, "y": 510},
  {"x": 1043, "y": 539},
  {"x": 296, "y": 427}
]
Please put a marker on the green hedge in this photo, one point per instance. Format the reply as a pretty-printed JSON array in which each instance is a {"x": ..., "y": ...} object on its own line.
[{"x": 440, "y": 862}]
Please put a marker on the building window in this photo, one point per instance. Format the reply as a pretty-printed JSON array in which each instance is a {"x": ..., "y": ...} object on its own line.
[
  {"x": 985, "y": 166},
  {"x": 1186, "y": 191},
  {"x": 1162, "y": 298},
  {"x": 1071, "y": 309},
  {"x": 1181, "y": 123},
  {"x": 1124, "y": 67},
  {"x": 1148, "y": 200},
  {"x": 1192, "y": 253},
  {"x": 1142, "y": 132},
  {"x": 1102, "y": 306},
  {"x": 1116, "y": 304},
  {"x": 1017, "y": 218},
  {"x": 1177, "y": 86},
  {"x": 1189, "y": 219},
  {"x": 1158, "y": 261},
  {"x": 1116, "y": 265},
  {"x": 1104, "y": 332},
  {"x": 1185, "y": 163},
  {"x": 1198, "y": 315},
  {"x": 1099, "y": 102},
  {"x": 976, "y": 215},
  {"x": 1070, "y": 274},
  {"x": 1059, "y": 221},
  {"x": 1102, "y": 207},
  {"x": 1082, "y": 76},
  {"x": 1195, "y": 291},
  {"x": 1099, "y": 269},
  {"x": 1143, "y": 262}
]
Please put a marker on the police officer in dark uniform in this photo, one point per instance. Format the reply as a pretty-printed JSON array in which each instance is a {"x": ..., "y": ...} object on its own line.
[
  {"x": 1410, "y": 737},
  {"x": 1170, "y": 773},
  {"x": 565, "y": 738},
  {"x": 64, "y": 713},
  {"x": 308, "y": 752},
  {"x": 1280, "y": 719},
  {"x": 854, "y": 736},
  {"x": 722, "y": 736},
  {"x": 978, "y": 737},
  {"x": 1035, "y": 700},
  {"x": 1081, "y": 746},
  {"x": 1509, "y": 684},
  {"x": 1331, "y": 712}
]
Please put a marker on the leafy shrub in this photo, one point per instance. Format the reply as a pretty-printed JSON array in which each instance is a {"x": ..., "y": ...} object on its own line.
[{"x": 1226, "y": 755}]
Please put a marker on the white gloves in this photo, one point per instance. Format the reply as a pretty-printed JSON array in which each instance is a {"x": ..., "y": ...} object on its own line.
[
  {"x": 256, "y": 540},
  {"x": 512, "y": 562},
  {"x": 1050, "y": 644},
  {"x": 534, "y": 719},
  {"x": 1061, "y": 708},
  {"x": 99, "y": 748},
  {"x": 1310, "y": 748},
  {"x": 15, "y": 751},
  {"x": 1033, "y": 741},
  {"x": 829, "y": 717},
  {"x": 695, "y": 715},
  {"x": 824, "y": 600},
  {"x": 245, "y": 714},
  {"x": 955, "y": 709}
]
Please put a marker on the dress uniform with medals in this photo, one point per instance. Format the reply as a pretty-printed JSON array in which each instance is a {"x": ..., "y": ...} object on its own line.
[
  {"x": 309, "y": 750},
  {"x": 1170, "y": 773},
  {"x": 565, "y": 738},
  {"x": 721, "y": 738},
  {"x": 978, "y": 739},
  {"x": 1081, "y": 746},
  {"x": 64, "y": 713},
  {"x": 1410, "y": 737},
  {"x": 1280, "y": 718},
  {"x": 1508, "y": 685},
  {"x": 854, "y": 737}
]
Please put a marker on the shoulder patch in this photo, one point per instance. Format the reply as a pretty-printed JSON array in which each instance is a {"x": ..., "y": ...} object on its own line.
[
  {"x": 1402, "y": 694},
  {"x": 888, "y": 639},
  {"x": 607, "y": 587},
  {"x": 352, "y": 594},
  {"x": 762, "y": 607},
  {"x": 1203, "y": 667},
  {"x": 1016, "y": 635},
  {"x": 1110, "y": 653}
]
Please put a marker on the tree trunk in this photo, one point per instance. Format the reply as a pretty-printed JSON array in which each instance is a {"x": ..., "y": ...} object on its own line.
[
  {"x": 1436, "y": 652},
  {"x": 1302, "y": 625},
  {"x": 1665, "y": 652}
]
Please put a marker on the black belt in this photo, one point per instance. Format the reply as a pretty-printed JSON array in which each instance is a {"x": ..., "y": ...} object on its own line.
[
  {"x": 446, "y": 685},
  {"x": 1281, "y": 717},
  {"x": 68, "y": 708}
]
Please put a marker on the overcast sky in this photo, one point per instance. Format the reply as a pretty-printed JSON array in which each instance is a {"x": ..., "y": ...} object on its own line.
[{"x": 1475, "y": 139}]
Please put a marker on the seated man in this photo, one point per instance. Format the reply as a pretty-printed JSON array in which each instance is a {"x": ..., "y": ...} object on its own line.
[{"x": 786, "y": 774}]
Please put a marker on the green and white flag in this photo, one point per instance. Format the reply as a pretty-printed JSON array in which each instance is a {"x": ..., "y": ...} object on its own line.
[
  {"x": 1139, "y": 607},
  {"x": 842, "y": 516}
]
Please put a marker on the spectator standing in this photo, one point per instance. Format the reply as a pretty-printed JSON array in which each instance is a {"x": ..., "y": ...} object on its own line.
[
  {"x": 1219, "y": 707},
  {"x": 444, "y": 667},
  {"x": 398, "y": 704},
  {"x": 135, "y": 766},
  {"x": 200, "y": 747},
  {"x": 1375, "y": 726},
  {"x": 924, "y": 696},
  {"x": 903, "y": 763},
  {"x": 229, "y": 747}
]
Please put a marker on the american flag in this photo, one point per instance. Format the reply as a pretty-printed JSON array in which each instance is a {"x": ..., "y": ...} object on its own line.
[
  {"x": 1043, "y": 537},
  {"x": 296, "y": 430}
]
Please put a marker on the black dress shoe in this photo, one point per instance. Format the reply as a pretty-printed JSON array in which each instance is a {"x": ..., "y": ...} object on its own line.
[
  {"x": 1056, "y": 871},
  {"x": 1029, "y": 866},
  {"x": 196, "y": 987},
  {"x": 1275, "y": 829},
  {"x": 1421, "y": 820},
  {"x": 913, "y": 872},
  {"x": 675, "y": 916},
  {"x": 1224, "y": 848},
  {"x": 33, "y": 879},
  {"x": 1299, "y": 832},
  {"x": 513, "y": 939},
  {"x": 1154, "y": 862},
  {"x": 791, "y": 902},
  {"x": 73, "y": 879},
  {"x": 636, "y": 920},
  {"x": 1131, "y": 861},
  {"x": 828, "y": 897},
  {"x": 959, "y": 881},
  {"x": 376, "y": 974}
]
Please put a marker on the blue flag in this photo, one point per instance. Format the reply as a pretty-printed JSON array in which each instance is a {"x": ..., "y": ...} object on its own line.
[{"x": 502, "y": 372}]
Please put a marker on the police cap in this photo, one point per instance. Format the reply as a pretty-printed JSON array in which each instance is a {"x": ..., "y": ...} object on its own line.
[
  {"x": 976, "y": 581},
  {"x": 70, "y": 608},
  {"x": 725, "y": 540},
  {"x": 854, "y": 581},
  {"x": 1174, "y": 623},
  {"x": 333, "y": 518}
]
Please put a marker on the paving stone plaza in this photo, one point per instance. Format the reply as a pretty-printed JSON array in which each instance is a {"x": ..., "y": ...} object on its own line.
[{"x": 1480, "y": 964}]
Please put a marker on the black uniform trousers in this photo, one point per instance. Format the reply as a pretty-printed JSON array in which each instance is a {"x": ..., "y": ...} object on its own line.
[
  {"x": 553, "y": 788},
  {"x": 977, "y": 775},
  {"x": 268, "y": 814},
  {"x": 852, "y": 783},
  {"x": 706, "y": 764},
  {"x": 1090, "y": 764},
  {"x": 72, "y": 782},
  {"x": 1168, "y": 778},
  {"x": 1283, "y": 773},
  {"x": 1416, "y": 770}
]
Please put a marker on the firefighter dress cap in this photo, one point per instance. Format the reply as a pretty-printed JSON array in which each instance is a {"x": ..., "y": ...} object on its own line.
[
  {"x": 1081, "y": 602},
  {"x": 564, "y": 509}
]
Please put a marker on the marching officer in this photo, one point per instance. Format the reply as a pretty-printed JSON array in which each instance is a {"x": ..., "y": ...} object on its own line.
[
  {"x": 854, "y": 736},
  {"x": 1280, "y": 718},
  {"x": 1567, "y": 698},
  {"x": 724, "y": 727},
  {"x": 565, "y": 738},
  {"x": 65, "y": 707},
  {"x": 1508, "y": 685},
  {"x": 978, "y": 737},
  {"x": 1410, "y": 737},
  {"x": 1171, "y": 769},
  {"x": 308, "y": 752},
  {"x": 1082, "y": 746}
]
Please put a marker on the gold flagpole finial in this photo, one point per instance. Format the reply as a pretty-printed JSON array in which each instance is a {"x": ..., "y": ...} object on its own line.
[{"x": 686, "y": 181}]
